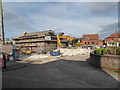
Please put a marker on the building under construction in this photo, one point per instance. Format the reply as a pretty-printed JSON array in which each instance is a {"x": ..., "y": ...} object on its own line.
[{"x": 37, "y": 41}]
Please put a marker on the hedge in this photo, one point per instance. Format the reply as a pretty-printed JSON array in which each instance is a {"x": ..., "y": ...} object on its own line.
[{"x": 101, "y": 51}]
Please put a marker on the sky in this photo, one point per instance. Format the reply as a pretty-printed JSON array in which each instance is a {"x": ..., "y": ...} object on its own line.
[{"x": 72, "y": 18}]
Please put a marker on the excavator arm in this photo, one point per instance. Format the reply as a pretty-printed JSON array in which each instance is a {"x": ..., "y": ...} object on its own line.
[{"x": 59, "y": 42}]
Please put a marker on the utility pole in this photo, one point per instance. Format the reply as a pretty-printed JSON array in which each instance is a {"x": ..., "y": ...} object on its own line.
[
  {"x": 2, "y": 33},
  {"x": 2, "y": 24}
]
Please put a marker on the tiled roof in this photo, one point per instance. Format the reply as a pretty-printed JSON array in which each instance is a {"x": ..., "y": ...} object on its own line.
[
  {"x": 115, "y": 35},
  {"x": 113, "y": 38},
  {"x": 90, "y": 36}
]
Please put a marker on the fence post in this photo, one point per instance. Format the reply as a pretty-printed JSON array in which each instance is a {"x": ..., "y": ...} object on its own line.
[{"x": 4, "y": 61}]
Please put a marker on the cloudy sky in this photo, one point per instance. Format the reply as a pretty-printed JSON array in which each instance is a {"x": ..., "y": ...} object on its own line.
[{"x": 72, "y": 18}]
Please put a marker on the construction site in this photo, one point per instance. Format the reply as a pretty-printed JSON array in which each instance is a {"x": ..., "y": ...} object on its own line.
[
  {"x": 43, "y": 42},
  {"x": 59, "y": 45}
]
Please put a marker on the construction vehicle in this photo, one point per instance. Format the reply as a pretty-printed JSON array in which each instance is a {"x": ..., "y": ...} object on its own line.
[
  {"x": 22, "y": 34},
  {"x": 63, "y": 36},
  {"x": 28, "y": 52},
  {"x": 77, "y": 44}
]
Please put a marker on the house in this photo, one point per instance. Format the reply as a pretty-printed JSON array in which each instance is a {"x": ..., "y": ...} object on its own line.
[
  {"x": 92, "y": 41},
  {"x": 113, "y": 40}
]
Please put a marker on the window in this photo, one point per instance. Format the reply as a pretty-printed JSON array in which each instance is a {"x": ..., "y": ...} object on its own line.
[
  {"x": 88, "y": 42},
  {"x": 118, "y": 39},
  {"x": 87, "y": 38},
  {"x": 92, "y": 42},
  {"x": 85, "y": 43}
]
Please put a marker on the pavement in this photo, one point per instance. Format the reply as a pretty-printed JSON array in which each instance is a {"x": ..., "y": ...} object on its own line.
[{"x": 62, "y": 73}]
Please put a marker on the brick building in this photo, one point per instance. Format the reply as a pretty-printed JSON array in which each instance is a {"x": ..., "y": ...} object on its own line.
[
  {"x": 113, "y": 40},
  {"x": 75, "y": 40},
  {"x": 91, "y": 40},
  {"x": 44, "y": 40}
]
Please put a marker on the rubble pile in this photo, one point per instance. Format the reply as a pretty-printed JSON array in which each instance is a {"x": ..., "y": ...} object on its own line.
[
  {"x": 63, "y": 52},
  {"x": 74, "y": 51},
  {"x": 37, "y": 56}
]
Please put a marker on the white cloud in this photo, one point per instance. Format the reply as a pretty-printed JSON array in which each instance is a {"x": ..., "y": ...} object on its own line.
[
  {"x": 15, "y": 24},
  {"x": 76, "y": 28},
  {"x": 58, "y": 17}
]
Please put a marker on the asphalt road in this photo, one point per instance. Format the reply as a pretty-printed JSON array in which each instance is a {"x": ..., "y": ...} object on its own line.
[{"x": 58, "y": 74}]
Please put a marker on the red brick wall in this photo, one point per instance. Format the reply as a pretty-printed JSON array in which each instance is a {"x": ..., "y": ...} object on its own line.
[{"x": 85, "y": 42}]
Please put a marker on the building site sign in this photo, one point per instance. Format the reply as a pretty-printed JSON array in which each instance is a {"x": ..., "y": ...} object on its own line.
[{"x": 47, "y": 38}]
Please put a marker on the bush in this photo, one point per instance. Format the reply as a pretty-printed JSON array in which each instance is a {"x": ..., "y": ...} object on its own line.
[
  {"x": 100, "y": 51},
  {"x": 109, "y": 50}
]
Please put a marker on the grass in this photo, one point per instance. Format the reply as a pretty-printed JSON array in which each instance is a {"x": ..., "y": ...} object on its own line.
[{"x": 111, "y": 70}]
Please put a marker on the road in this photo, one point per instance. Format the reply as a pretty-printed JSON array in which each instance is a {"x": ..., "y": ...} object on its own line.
[{"x": 59, "y": 74}]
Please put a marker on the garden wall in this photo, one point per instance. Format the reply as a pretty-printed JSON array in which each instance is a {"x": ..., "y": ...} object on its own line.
[{"x": 104, "y": 61}]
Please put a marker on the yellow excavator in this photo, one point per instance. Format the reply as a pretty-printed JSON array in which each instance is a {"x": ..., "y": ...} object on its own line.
[
  {"x": 69, "y": 38},
  {"x": 63, "y": 36},
  {"x": 77, "y": 44},
  {"x": 26, "y": 51}
]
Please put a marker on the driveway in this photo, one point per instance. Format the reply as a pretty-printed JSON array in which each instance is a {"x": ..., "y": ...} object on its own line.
[{"x": 58, "y": 74}]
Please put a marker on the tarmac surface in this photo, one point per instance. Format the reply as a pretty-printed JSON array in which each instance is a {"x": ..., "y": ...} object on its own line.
[{"x": 58, "y": 74}]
